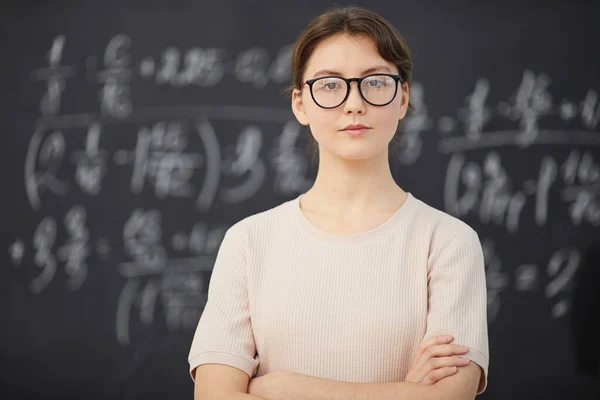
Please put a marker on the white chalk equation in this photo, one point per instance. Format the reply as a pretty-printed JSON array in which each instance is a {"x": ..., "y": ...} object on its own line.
[
  {"x": 530, "y": 105},
  {"x": 206, "y": 67},
  {"x": 48, "y": 254},
  {"x": 176, "y": 285},
  {"x": 174, "y": 267},
  {"x": 553, "y": 279},
  {"x": 116, "y": 69},
  {"x": 527, "y": 111},
  {"x": 172, "y": 158},
  {"x": 485, "y": 189}
]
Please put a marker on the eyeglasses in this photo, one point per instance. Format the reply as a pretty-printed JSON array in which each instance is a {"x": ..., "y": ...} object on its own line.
[{"x": 332, "y": 91}]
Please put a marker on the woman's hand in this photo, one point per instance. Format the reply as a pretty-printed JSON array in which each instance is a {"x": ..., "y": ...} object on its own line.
[{"x": 436, "y": 359}]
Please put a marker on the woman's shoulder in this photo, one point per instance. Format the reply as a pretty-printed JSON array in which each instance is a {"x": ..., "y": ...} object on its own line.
[
  {"x": 278, "y": 215},
  {"x": 443, "y": 227}
]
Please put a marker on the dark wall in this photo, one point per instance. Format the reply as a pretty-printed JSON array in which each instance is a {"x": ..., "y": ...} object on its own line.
[{"x": 134, "y": 136}]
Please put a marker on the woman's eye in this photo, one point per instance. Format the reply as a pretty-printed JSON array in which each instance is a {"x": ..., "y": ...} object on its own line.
[
  {"x": 329, "y": 86},
  {"x": 375, "y": 83}
]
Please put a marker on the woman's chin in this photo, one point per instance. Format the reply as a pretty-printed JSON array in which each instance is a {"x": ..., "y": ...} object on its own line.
[
  {"x": 353, "y": 152},
  {"x": 358, "y": 155}
]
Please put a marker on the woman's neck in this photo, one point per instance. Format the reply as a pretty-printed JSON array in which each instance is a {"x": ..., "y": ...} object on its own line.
[{"x": 354, "y": 186}]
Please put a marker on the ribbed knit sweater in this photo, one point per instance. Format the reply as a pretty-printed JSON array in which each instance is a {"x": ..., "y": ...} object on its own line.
[{"x": 285, "y": 295}]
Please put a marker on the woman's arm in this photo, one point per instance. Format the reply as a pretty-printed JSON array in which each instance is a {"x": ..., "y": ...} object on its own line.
[
  {"x": 281, "y": 385},
  {"x": 215, "y": 381},
  {"x": 222, "y": 353}
]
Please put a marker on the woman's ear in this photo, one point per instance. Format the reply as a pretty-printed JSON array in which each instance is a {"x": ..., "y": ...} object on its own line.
[
  {"x": 298, "y": 107},
  {"x": 405, "y": 92}
]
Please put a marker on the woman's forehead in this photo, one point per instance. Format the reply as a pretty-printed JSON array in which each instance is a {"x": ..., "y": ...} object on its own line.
[{"x": 347, "y": 55}]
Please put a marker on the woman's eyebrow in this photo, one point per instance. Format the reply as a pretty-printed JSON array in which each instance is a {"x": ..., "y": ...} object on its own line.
[{"x": 377, "y": 68}]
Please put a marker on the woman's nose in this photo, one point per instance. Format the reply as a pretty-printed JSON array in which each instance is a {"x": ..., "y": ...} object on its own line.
[{"x": 354, "y": 103}]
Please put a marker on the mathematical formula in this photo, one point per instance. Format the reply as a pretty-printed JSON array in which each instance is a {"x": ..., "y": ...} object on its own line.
[
  {"x": 559, "y": 270},
  {"x": 166, "y": 157},
  {"x": 486, "y": 190},
  {"x": 200, "y": 67}
]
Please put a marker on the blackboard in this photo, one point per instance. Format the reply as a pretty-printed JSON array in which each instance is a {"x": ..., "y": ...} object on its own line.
[{"x": 135, "y": 134}]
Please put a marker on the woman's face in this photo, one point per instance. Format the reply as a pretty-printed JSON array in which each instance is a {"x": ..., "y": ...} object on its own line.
[{"x": 349, "y": 57}]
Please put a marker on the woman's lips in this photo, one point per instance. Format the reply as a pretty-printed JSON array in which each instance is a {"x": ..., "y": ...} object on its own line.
[{"x": 355, "y": 132}]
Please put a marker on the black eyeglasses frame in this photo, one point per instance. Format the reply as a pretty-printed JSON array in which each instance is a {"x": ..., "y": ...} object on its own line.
[{"x": 310, "y": 82}]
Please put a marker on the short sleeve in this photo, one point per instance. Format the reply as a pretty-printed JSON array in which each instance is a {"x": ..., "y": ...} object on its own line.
[
  {"x": 224, "y": 332},
  {"x": 458, "y": 297}
]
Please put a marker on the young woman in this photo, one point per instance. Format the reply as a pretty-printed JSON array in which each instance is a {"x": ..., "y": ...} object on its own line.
[{"x": 350, "y": 289}]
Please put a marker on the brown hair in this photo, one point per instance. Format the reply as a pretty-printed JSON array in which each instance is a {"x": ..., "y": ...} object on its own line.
[{"x": 352, "y": 21}]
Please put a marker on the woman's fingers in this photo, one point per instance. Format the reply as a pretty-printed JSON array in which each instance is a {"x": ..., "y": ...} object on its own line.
[
  {"x": 435, "y": 359},
  {"x": 440, "y": 362},
  {"x": 431, "y": 366},
  {"x": 443, "y": 350},
  {"x": 439, "y": 374}
]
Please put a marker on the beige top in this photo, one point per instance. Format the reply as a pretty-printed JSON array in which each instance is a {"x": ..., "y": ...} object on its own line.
[{"x": 285, "y": 295}]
